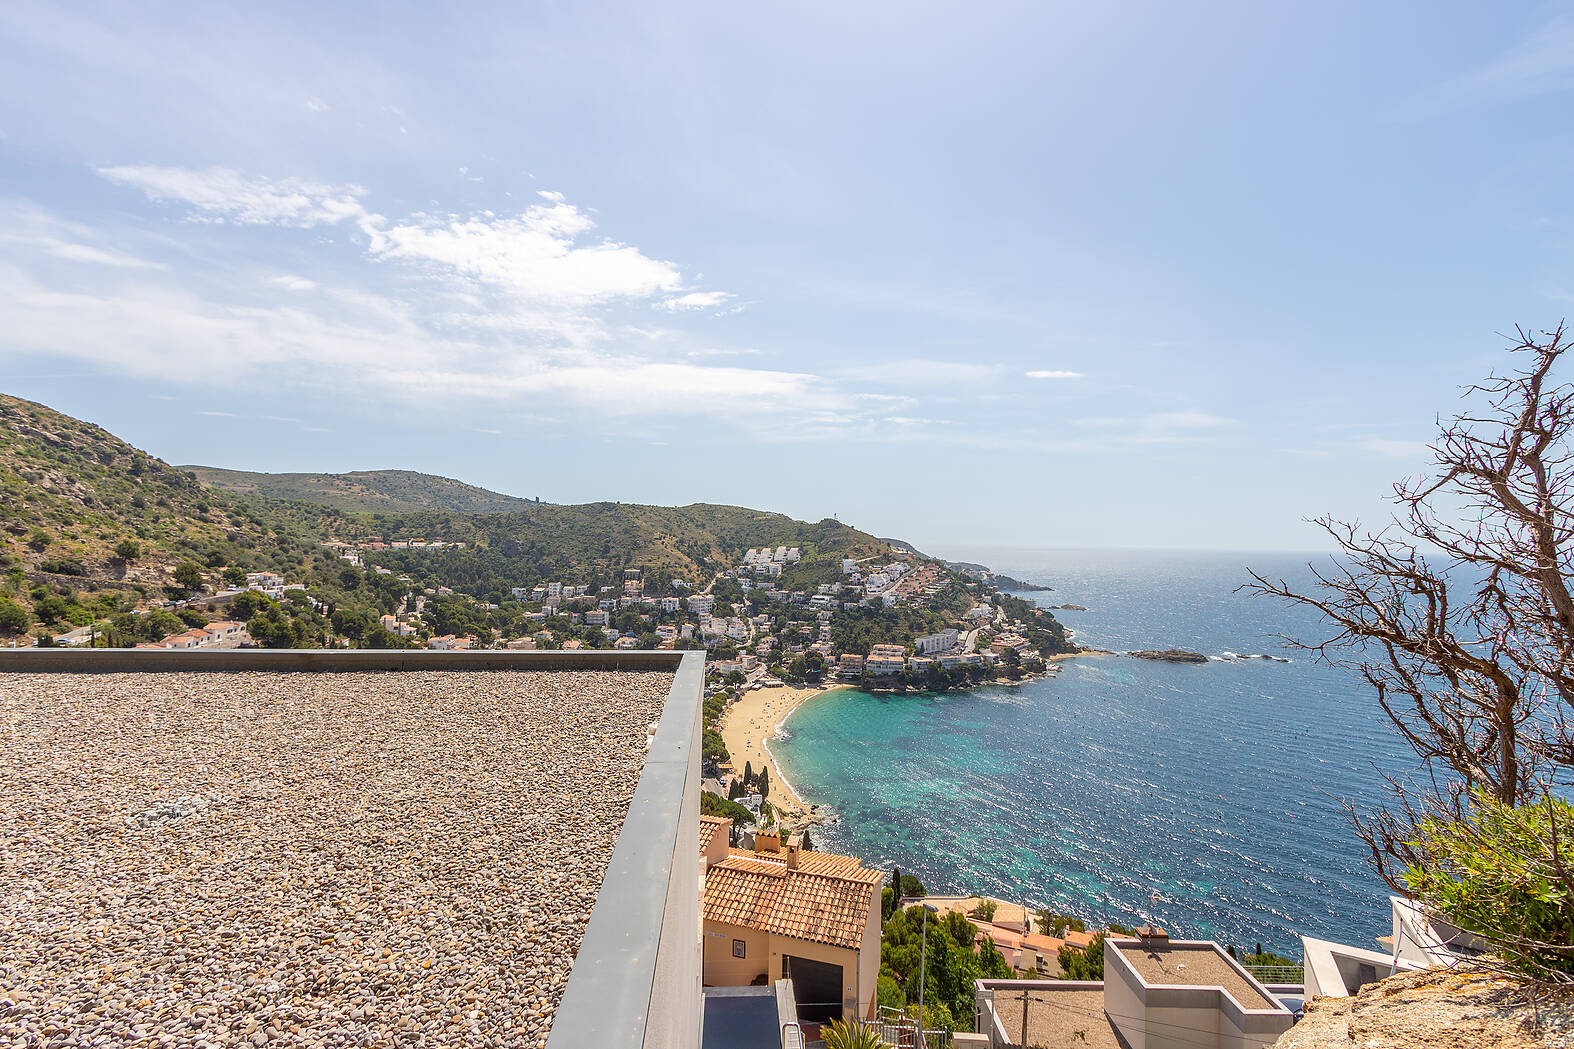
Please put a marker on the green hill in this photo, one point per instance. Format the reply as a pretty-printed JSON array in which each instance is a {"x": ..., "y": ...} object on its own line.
[
  {"x": 364, "y": 490},
  {"x": 91, "y": 526}
]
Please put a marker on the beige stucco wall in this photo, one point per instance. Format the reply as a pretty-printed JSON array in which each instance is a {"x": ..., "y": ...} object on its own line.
[
  {"x": 764, "y": 953},
  {"x": 723, "y": 970}
]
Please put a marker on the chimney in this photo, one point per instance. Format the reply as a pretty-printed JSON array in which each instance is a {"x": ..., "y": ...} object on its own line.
[
  {"x": 794, "y": 844},
  {"x": 1153, "y": 934},
  {"x": 767, "y": 841}
]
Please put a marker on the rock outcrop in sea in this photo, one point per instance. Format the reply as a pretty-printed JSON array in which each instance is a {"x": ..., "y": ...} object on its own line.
[{"x": 1170, "y": 655}]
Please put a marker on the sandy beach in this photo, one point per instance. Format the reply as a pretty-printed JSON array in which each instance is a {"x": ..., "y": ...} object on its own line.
[{"x": 746, "y": 727}]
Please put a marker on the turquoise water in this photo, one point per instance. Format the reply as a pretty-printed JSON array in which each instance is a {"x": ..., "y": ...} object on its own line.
[{"x": 1216, "y": 787}]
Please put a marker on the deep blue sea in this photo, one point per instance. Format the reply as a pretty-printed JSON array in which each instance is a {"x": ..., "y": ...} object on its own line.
[{"x": 1216, "y": 786}]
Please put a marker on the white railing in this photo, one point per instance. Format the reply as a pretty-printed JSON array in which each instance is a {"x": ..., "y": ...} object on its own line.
[
  {"x": 897, "y": 1029},
  {"x": 1276, "y": 973}
]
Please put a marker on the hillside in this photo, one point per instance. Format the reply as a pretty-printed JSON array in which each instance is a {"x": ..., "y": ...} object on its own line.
[
  {"x": 73, "y": 492},
  {"x": 395, "y": 491},
  {"x": 595, "y": 542},
  {"x": 91, "y": 526}
]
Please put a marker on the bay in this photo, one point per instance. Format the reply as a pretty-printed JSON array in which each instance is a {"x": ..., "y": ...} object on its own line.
[{"x": 1207, "y": 798}]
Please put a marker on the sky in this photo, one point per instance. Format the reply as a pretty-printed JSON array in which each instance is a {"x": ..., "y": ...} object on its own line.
[{"x": 1039, "y": 274}]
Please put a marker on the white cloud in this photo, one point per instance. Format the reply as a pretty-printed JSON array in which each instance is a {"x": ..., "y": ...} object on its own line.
[
  {"x": 543, "y": 255},
  {"x": 379, "y": 346},
  {"x": 290, "y": 282},
  {"x": 223, "y": 195},
  {"x": 316, "y": 105},
  {"x": 1052, "y": 374},
  {"x": 534, "y": 256},
  {"x": 694, "y": 300}
]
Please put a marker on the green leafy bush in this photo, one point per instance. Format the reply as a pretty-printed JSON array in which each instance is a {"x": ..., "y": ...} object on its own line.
[
  {"x": 1496, "y": 873},
  {"x": 14, "y": 619},
  {"x": 62, "y": 566},
  {"x": 716, "y": 805}
]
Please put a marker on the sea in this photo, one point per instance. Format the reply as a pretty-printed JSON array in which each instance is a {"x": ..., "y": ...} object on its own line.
[{"x": 1207, "y": 798}]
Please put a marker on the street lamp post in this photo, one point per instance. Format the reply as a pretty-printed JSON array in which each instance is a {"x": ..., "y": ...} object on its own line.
[{"x": 923, "y": 970}]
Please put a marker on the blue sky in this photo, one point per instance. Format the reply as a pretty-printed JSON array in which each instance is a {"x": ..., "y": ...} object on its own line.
[{"x": 1038, "y": 274}]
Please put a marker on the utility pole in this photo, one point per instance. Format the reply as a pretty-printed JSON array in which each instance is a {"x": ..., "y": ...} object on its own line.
[{"x": 923, "y": 974}]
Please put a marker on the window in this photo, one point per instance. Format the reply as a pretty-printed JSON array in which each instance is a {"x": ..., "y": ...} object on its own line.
[{"x": 739, "y": 949}]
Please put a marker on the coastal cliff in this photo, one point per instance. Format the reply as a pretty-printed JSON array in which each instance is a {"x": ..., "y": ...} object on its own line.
[{"x": 1436, "y": 1009}]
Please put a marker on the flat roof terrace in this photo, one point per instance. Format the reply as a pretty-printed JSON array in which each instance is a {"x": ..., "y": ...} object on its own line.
[
  {"x": 1066, "y": 1016},
  {"x": 1194, "y": 964},
  {"x": 325, "y": 859}
]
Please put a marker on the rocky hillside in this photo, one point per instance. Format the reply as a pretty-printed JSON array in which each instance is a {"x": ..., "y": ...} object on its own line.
[
  {"x": 1437, "y": 1009},
  {"x": 387, "y": 491},
  {"x": 82, "y": 507}
]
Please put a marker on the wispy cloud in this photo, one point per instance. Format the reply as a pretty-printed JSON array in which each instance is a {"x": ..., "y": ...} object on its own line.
[
  {"x": 1155, "y": 428},
  {"x": 1052, "y": 374},
  {"x": 1394, "y": 449},
  {"x": 923, "y": 372},
  {"x": 23, "y": 224},
  {"x": 224, "y": 195},
  {"x": 1540, "y": 63}
]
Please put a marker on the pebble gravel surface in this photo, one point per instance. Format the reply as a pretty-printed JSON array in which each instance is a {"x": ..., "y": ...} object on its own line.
[{"x": 356, "y": 859}]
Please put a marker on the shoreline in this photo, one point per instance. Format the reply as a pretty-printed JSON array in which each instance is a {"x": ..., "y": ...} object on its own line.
[{"x": 749, "y": 725}]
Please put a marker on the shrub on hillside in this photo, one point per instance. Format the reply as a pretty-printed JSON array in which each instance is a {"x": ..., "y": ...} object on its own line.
[
  {"x": 14, "y": 619},
  {"x": 62, "y": 566},
  {"x": 1501, "y": 872}
]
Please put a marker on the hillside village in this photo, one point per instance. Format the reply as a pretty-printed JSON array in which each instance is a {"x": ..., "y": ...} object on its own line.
[{"x": 758, "y": 634}]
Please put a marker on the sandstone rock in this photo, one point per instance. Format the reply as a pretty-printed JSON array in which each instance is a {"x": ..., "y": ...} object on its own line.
[{"x": 1437, "y": 1009}]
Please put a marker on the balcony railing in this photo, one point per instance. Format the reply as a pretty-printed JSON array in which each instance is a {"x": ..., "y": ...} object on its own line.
[{"x": 1277, "y": 973}]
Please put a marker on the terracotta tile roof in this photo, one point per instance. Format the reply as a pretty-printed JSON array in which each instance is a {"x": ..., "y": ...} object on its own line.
[
  {"x": 826, "y": 900},
  {"x": 709, "y": 825}
]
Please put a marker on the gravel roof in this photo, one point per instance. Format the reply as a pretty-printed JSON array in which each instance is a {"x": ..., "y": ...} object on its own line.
[
  {"x": 1057, "y": 1018},
  {"x": 215, "y": 859},
  {"x": 1192, "y": 965}
]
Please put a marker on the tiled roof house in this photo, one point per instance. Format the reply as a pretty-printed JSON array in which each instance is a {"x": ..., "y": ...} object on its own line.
[{"x": 783, "y": 912}]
